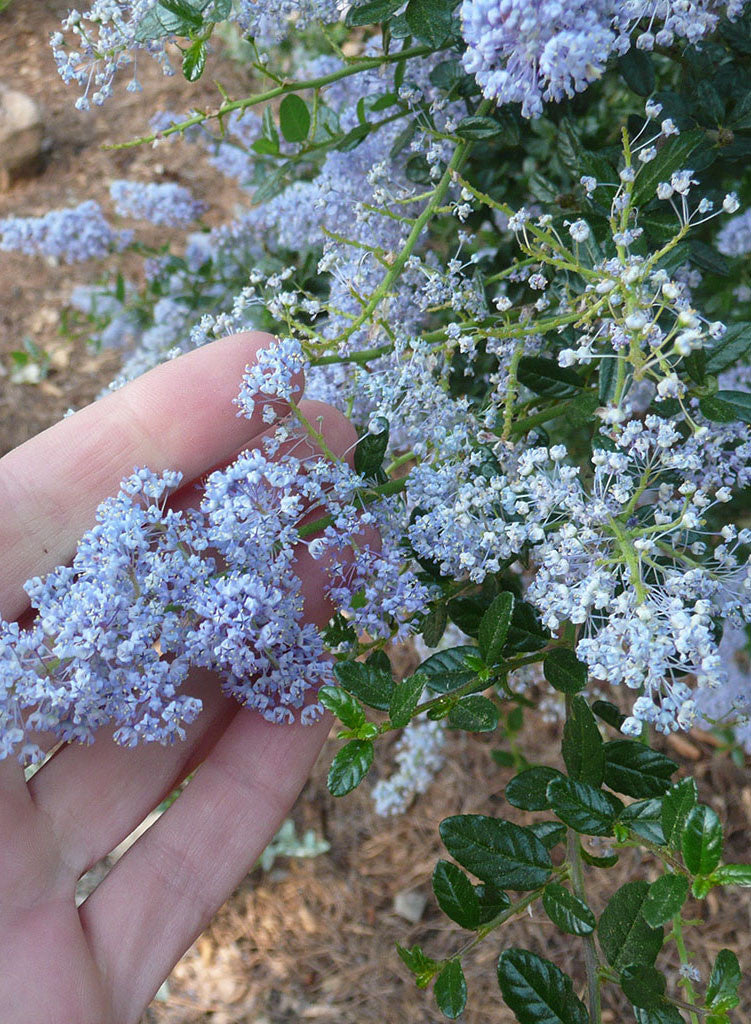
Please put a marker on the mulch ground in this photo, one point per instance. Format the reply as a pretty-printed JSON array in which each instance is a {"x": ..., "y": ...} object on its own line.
[{"x": 310, "y": 940}]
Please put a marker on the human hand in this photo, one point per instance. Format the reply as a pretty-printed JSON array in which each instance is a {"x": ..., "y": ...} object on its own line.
[{"x": 103, "y": 962}]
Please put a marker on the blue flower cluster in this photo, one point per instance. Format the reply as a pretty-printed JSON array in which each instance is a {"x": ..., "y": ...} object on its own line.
[
  {"x": 167, "y": 204},
  {"x": 73, "y": 235}
]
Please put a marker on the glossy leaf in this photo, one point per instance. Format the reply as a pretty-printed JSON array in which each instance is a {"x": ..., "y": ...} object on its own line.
[
  {"x": 677, "y": 804},
  {"x": 343, "y": 705},
  {"x": 722, "y": 990},
  {"x": 473, "y": 714},
  {"x": 448, "y": 670},
  {"x": 584, "y": 808},
  {"x": 645, "y": 818},
  {"x": 567, "y": 911},
  {"x": 732, "y": 874},
  {"x": 625, "y": 936},
  {"x": 528, "y": 789},
  {"x": 368, "y": 682},
  {"x": 450, "y": 990},
  {"x": 497, "y": 851},
  {"x": 493, "y": 901},
  {"x": 727, "y": 407},
  {"x": 405, "y": 698},
  {"x": 494, "y": 627},
  {"x": 701, "y": 842},
  {"x": 350, "y": 766},
  {"x": 456, "y": 895},
  {"x": 643, "y": 986},
  {"x": 294, "y": 118},
  {"x": 582, "y": 745},
  {"x": 734, "y": 345},
  {"x": 564, "y": 671},
  {"x": 665, "y": 898},
  {"x": 636, "y": 770},
  {"x": 545, "y": 377},
  {"x": 537, "y": 991},
  {"x": 429, "y": 20}
]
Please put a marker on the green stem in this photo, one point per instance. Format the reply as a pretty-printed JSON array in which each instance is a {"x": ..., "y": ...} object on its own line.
[
  {"x": 372, "y": 494},
  {"x": 682, "y": 953},
  {"x": 364, "y": 64},
  {"x": 551, "y": 413}
]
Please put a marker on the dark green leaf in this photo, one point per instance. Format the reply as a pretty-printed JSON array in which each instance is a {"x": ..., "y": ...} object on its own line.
[
  {"x": 429, "y": 20},
  {"x": 546, "y": 377},
  {"x": 727, "y": 407},
  {"x": 528, "y": 790},
  {"x": 467, "y": 613},
  {"x": 731, "y": 348},
  {"x": 665, "y": 1014},
  {"x": 638, "y": 71},
  {"x": 447, "y": 670},
  {"x": 405, "y": 698},
  {"x": 456, "y": 895},
  {"x": 550, "y": 833},
  {"x": 625, "y": 936},
  {"x": 371, "y": 12},
  {"x": 350, "y": 766},
  {"x": 666, "y": 897},
  {"x": 583, "y": 808},
  {"x": 701, "y": 841},
  {"x": 525, "y": 632},
  {"x": 493, "y": 901},
  {"x": 190, "y": 13},
  {"x": 645, "y": 818},
  {"x": 609, "y": 713},
  {"x": 494, "y": 627},
  {"x": 570, "y": 913},
  {"x": 434, "y": 625},
  {"x": 371, "y": 448},
  {"x": 676, "y": 805},
  {"x": 695, "y": 364},
  {"x": 294, "y": 118},
  {"x": 732, "y": 874},
  {"x": 473, "y": 714},
  {"x": 708, "y": 258},
  {"x": 194, "y": 60},
  {"x": 344, "y": 706},
  {"x": 537, "y": 991},
  {"x": 371, "y": 684},
  {"x": 564, "y": 671},
  {"x": 608, "y": 861},
  {"x": 450, "y": 990},
  {"x": 644, "y": 986},
  {"x": 479, "y": 128},
  {"x": 497, "y": 851},
  {"x": 636, "y": 770},
  {"x": 671, "y": 157},
  {"x": 722, "y": 990},
  {"x": 582, "y": 745}
]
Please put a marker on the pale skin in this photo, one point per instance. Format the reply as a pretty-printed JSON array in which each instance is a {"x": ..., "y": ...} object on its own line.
[{"x": 103, "y": 963}]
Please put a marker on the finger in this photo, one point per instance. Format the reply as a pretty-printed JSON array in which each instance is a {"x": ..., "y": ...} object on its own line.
[
  {"x": 95, "y": 796},
  {"x": 178, "y": 416}
]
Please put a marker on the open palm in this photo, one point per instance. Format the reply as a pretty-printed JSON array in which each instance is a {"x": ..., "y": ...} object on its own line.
[{"x": 103, "y": 962}]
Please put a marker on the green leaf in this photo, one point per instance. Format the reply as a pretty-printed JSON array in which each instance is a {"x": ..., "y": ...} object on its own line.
[
  {"x": 564, "y": 671},
  {"x": 671, "y": 157},
  {"x": 182, "y": 9},
  {"x": 405, "y": 698},
  {"x": 570, "y": 913},
  {"x": 467, "y": 613},
  {"x": 643, "y": 986},
  {"x": 584, "y": 808},
  {"x": 371, "y": 684},
  {"x": 344, "y": 706},
  {"x": 636, "y": 770},
  {"x": 350, "y": 766},
  {"x": 608, "y": 861},
  {"x": 666, "y": 897},
  {"x": 493, "y": 901},
  {"x": 525, "y": 632},
  {"x": 429, "y": 20},
  {"x": 626, "y": 938},
  {"x": 417, "y": 962},
  {"x": 645, "y": 818},
  {"x": 676, "y": 805},
  {"x": 732, "y": 874},
  {"x": 550, "y": 833},
  {"x": 434, "y": 625},
  {"x": 447, "y": 670},
  {"x": 473, "y": 714},
  {"x": 537, "y": 991},
  {"x": 497, "y": 851},
  {"x": 479, "y": 128},
  {"x": 294, "y": 118},
  {"x": 638, "y": 71},
  {"x": 665, "y": 1014},
  {"x": 609, "y": 713},
  {"x": 450, "y": 990},
  {"x": 528, "y": 789},
  {"x": 734, "y": 345},
  {"x": 546, "y": 377},
  {"x": 194, "y": 61},
  {"x": 371, "y": 448},
  {"x": 372, "y": 12},
  {"x": 582, "y": 745},
  {"x": 494, "y": 626},
  {"x": 701, "y": 841},
  {"x": 727, "y": 407},
  {"x": 722, "y": 990},
  {"x": 456, "y": 895}
]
